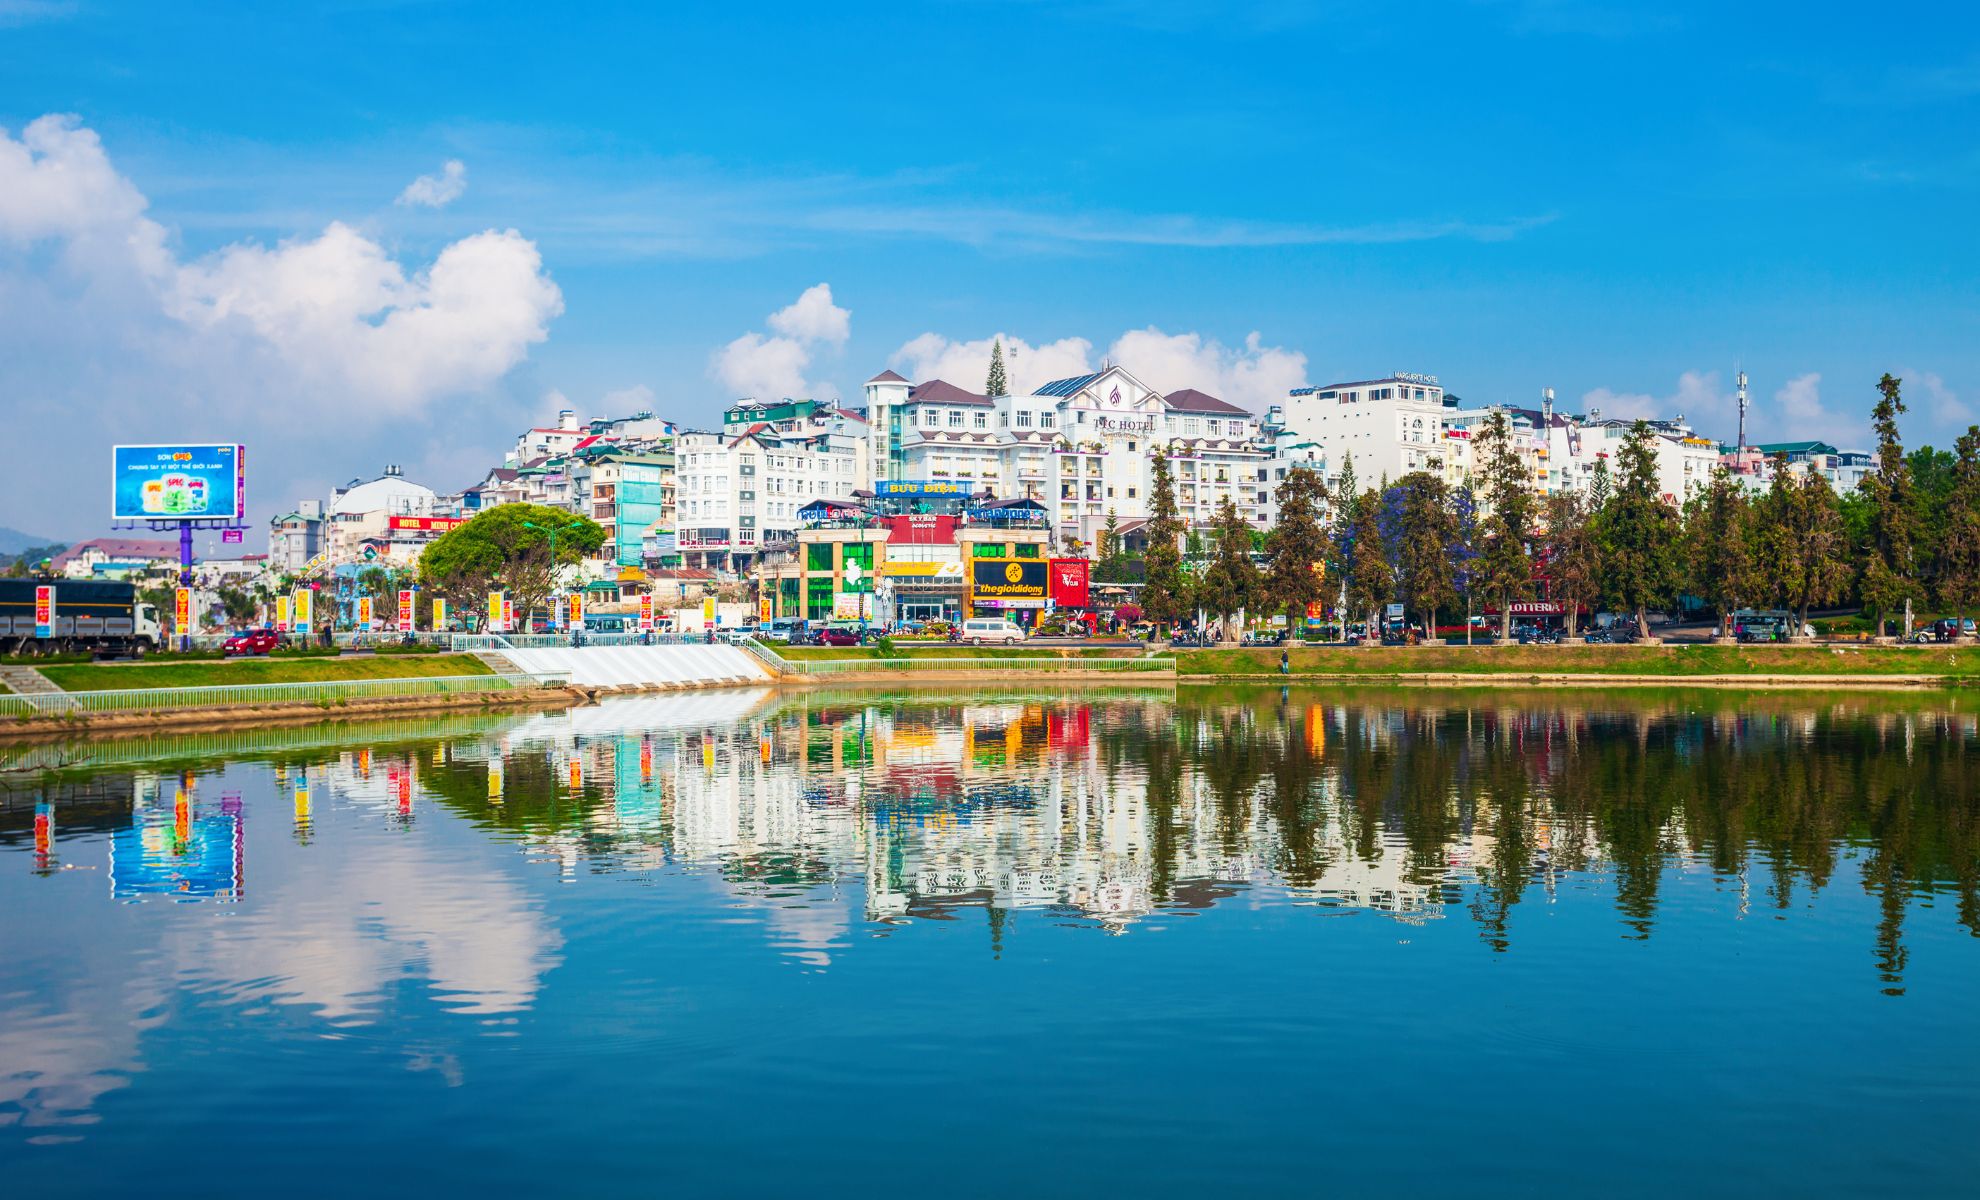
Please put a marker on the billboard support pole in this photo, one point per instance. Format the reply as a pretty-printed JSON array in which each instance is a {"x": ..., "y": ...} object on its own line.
[{"x": 185, "y": 574}]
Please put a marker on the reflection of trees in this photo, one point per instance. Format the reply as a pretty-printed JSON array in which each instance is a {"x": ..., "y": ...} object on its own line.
[{"x": 1413, "y": 801}]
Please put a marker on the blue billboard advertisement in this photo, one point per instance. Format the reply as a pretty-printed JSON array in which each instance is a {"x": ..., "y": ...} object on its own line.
[
  {"x": 920, "y": 487},
  {"x": 163, "y": 483}
]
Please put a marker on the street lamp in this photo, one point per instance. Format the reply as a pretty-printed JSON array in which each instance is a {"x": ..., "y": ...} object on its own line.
[{"x": 552, "y": 531}]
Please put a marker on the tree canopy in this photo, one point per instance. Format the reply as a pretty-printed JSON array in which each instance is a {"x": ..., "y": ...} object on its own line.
[{"x": 507, "y": 548}]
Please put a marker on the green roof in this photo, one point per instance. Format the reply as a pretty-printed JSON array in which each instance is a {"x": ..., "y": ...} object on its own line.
[{"x": 1771, "y": 448}]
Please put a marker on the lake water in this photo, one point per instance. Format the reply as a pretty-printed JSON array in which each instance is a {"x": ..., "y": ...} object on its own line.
[{"x": 1091, "y": 943}]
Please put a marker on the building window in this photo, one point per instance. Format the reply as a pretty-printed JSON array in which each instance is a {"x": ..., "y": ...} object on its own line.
[
  {"x": 1024, "y": 418},
  {"x": 1045, "y": 420},
  {"x": 980, "y": 420},
  {"x": 928, "y": 417},
  {"x": 1214, "y": 427},
  {"x": 955, "y": 420},
  {"x": 1025, "y": 550}
]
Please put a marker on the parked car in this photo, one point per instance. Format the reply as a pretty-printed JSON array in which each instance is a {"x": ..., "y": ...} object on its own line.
[
  {"x": 978, "y": 630},
  {"x": 783, "y": 629},
  {"x": 251, "y": 641},
  {"x": 1944, "y": 629}
]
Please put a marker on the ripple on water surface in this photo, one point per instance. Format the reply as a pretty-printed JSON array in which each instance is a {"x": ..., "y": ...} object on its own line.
[{"x": 1315, "y": 941}]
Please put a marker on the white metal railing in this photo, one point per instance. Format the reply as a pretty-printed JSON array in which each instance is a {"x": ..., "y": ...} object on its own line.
[{"x": 228, "y": 695}]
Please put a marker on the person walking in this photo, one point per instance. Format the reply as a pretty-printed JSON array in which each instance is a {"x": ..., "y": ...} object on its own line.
[{"x": 1285, "y": 662}]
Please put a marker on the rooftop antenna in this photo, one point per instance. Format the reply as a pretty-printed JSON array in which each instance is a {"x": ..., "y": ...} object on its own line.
[{"x": 1742, "y": 411}]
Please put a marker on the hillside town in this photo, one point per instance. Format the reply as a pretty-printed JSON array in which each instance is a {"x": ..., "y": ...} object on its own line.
[{"x": 887, "y": 513}]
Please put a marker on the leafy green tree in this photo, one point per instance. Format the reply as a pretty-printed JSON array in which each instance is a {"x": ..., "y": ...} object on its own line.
[
  {"x": 1231, "y": 584},
  {"x": 1572, "y": 557},
  {"x": 1504, "y": 568},
  {"x": 1639, "y": 535},
  {"x": 1720, "y": 556},
  {"x": 237, "y": 604},
  {"x": 1890, "y": 574},
  {"x": 1959, "y": 555},
  {"x": 506, "y": 548},
  {"x": 1370, "y": 580},
  {"x": 1804, "y": 550},
  {"x": 997, "y": 384},
  {"x": 1164, "y": 594},
  {"x": 1422, "y": 530},
  {"x": 1340, "y": 517},
  {"x": 1296, "y": 563}
]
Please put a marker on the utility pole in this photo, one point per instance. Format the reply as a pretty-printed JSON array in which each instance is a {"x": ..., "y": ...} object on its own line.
[{"x": 1742, "y": 417}]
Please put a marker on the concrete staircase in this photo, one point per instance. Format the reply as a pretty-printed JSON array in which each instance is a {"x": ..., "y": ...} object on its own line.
[
  {"x": 498, "y": 662},
  {"x": 26, "y": 681}
]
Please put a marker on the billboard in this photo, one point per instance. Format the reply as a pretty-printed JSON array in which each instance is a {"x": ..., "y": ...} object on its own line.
[
  {"x": 423, "y": 524},
  {"x": 1009, "y": 582},
  {"x": 921, "y": 529},
  {"x": 1069, "y": 582},
  {"x": 164, "y": 483},
  {"x": 919, "y": 487}
]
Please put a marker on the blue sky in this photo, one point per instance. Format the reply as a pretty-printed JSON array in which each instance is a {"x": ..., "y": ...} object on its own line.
[{"x": 1618, "y": 203}]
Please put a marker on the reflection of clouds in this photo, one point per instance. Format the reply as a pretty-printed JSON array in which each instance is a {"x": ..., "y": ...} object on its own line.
[
  {"x": 58, "y": 1063},
  {"x": 338, "y": 939}
]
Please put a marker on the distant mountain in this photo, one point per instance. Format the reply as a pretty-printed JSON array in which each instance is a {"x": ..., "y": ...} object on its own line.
[{"x": 13, "y": 541}]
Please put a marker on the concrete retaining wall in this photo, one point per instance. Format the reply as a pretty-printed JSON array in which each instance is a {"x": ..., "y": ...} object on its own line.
[{"x": 635, "y": 667}]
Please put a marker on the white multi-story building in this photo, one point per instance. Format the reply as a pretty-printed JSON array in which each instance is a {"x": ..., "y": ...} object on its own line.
[
  {"x": 739, "y": 492},
  {"x": 1391, "y": 426},
  {"x": 1082, "y": 446}
]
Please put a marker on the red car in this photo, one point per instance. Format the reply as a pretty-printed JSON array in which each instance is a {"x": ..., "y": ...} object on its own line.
[
  {"x": 251, "y": 641},
  {"x": 837, "y": 637}
]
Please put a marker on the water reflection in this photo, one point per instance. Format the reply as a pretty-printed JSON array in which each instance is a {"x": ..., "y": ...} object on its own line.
[{"x": 349, "y": 878}]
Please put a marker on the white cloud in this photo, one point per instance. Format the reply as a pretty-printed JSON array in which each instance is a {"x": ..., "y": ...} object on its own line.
[
  {"x": 967, "y": 364},
  {"x": 437, "y": 191},
  {"x": 1941, "y": 404},
  {"x": 1702, "y": 399},
  {"x": 771, "y": 368},
  {"x": 766, "y": 368},
  {"x": 1252, "y": 376},
  {"x": 624, "y": 401},
  {"x": 814, "y": 318},
  {"x": 105, "y": 329}
]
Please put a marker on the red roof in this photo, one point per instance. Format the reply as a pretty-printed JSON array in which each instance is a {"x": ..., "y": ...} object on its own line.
[
  {"x": 119, "y": 549},
  {"x": 1191, "y": 400},
  {"x": 886, "y": 377},
  {"x": 941, "y": 391}
]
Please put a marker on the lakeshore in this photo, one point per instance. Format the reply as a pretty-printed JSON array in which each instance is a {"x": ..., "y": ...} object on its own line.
[{"x": 187, "y": 695}]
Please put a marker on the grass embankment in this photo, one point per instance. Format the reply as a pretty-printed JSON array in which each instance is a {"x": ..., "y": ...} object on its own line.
[
  {"x": 1938, "y": 662},
  {"x": 944, "y": 650},
  {"x": 112, "y": 677}
]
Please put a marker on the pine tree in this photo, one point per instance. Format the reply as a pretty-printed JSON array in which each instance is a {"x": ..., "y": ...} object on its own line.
[
  {"x": 1599, "y": 486},
  {"x": 1110, "y": 536},
  {"x": 1370, "y": 580},
  {"x": 1231, "y": 584},
  {"x": 1804, "y": 549},
  {"x": 1504, "y": 568},
  {"x": 1165, "y": 593},
  {"x": 1298, "y": 548},
  {"x": 1340, "y": 518},
  {"x": 1572, "y": 558},
  {"x": 1421, "y": 530},
  {"x": 1720, "y": 555},
  {"x": 997, "y": 384},
  {"x": 1890, "y": 576},
  {"x": 1638, "y": 533},
  {"x": 1959, "y": 554}
]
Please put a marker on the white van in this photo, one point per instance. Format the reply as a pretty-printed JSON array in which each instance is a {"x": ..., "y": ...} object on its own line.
[{"x": 978, "y": 630}]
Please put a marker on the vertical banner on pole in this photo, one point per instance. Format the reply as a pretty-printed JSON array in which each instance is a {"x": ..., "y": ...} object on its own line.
[
  {"x": 304, "y": 610},
  {"x": 405, "y": 610},
  {"x": 646, "y": 613},
  {"x": 707, "y": 610},
  {"x": 182, "y": 611},
  {"x": 495, "y": 612},
  {"x": 439, "y": 614},
  {"x": 44, "y": 610},
  {"x": 560, "y": 614},
  {"x": 577, "y": 610},
  {"x": 281, "y": 614},
  {"x": 364, "y": 613}
]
